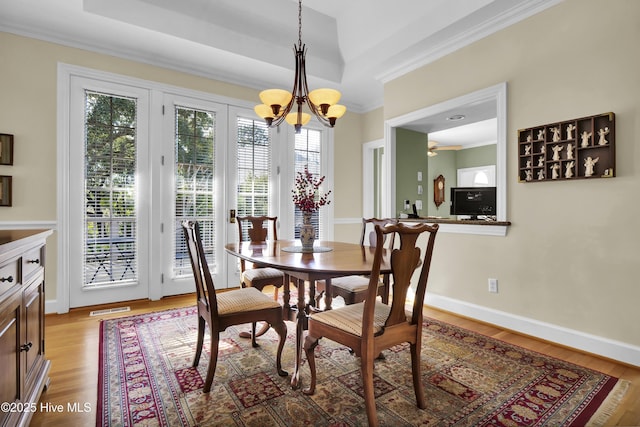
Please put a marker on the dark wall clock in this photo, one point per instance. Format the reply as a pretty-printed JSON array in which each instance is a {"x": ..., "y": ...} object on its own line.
[{"x": 438, "y": 190}]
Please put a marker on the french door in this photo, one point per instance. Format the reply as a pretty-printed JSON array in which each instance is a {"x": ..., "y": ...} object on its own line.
[
  {"x": 193, "y": 178},
  {"x": 107, "y": 235},
  {"x": 138, "y": 158},
  {"x": 134, "y": 177}
]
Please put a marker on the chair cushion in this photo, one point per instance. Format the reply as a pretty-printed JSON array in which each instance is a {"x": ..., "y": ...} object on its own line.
[
  {"x": 352, "y": 283},
  {"x": 349, "y": 318},
  {"x": 266, "y": 273},
  {"x": 244, "y": 299}
]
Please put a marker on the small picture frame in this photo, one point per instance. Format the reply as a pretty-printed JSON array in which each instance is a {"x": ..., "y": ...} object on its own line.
[
  {"x": 6, "y": 149},
  {"x": 5, "y": 190}
]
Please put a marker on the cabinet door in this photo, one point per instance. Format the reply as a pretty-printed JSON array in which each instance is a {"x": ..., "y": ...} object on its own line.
[
  {"x": 33, "y": 345},
  {"x": 10, "y": 380}
]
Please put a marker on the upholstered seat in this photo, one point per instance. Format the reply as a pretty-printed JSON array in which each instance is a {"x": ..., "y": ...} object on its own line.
[
  {"x": 252, "y": 276},
  {"x": 371, "y": 326},
  {"x": 353, "y": 289},
  {"x": 349, "y": 318},
  {"x": 219, "y": 311},
  {"x": 244, "y": 299}
]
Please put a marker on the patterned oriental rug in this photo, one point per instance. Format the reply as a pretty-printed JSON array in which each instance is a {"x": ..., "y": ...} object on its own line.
[{"x": 146, "y": 378}]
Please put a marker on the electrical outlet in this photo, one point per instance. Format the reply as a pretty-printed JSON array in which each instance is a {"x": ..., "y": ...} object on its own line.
[{"x": 493, "y": 286}]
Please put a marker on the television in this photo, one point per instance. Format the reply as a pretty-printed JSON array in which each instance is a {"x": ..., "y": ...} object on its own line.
[{"x": 474, "y": 202}]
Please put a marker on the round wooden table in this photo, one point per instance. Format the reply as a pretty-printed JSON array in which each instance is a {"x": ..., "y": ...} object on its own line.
[{"x": 330, "y": 260}]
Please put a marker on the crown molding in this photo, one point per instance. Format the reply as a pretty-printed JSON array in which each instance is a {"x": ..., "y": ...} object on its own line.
[{"x": 514, "y": 15}]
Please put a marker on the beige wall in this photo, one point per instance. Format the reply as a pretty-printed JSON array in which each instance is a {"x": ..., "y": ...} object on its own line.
[
  {"x": 28, "y": 79},
  {"x": 570, "y": 258}
]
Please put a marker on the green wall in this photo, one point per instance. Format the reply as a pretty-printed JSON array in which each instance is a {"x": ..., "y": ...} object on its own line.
[
  {"x": 411, "y": 158},
  {"x": 477, "y": 156},
  {"x": 443, "y": 164}
]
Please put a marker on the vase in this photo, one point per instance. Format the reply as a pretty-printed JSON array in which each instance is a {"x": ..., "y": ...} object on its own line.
[{"x": 307, "y": 232}]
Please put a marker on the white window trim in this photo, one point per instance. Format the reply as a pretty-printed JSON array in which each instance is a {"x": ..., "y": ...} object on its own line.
[
  {"x": 499, "y": 94},
  {"x": 157, "y": 91},
  {"x": 283, "y": 175},
  {"x": 284, "y": 136}
]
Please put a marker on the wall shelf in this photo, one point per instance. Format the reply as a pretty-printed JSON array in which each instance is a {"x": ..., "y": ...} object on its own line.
[{"x": 581, "y": 148}]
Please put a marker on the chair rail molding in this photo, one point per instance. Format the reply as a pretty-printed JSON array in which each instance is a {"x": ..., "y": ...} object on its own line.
[{"x": 28, "y": 225}]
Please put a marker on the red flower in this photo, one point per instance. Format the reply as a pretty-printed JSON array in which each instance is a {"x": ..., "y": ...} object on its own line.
[{"x": 305, "y": 194}]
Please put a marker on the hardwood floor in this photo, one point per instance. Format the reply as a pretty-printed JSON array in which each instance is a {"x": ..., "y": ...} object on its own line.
[{"x": 72, "y": 346}]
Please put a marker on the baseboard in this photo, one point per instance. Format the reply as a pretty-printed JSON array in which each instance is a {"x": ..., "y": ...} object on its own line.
[
  {"x": 593, "y": 344},
  {"x": 611, "y": 349},
  {"x": 50, "y": 306}
]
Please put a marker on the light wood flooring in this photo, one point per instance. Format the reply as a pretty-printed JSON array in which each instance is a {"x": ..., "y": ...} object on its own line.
[{"x": 72, "y": 346}]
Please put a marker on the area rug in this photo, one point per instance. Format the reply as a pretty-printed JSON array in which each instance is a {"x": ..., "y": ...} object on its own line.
[{"x": 146, "y": 379}]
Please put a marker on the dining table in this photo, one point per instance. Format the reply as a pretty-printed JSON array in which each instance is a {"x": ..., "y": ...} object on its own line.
[{"x": 328, "y": 260}]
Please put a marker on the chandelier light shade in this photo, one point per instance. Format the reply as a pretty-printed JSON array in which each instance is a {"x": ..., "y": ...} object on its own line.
[
  {"x": 292, "y": 119},
  {"x": 279, "y": 105}
]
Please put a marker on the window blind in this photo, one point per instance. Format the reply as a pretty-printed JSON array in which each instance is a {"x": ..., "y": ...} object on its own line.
[
  {"x": 110, "y": 216},
  {"x": 308, "y": 153},
  {"x": 194, "y": 179},
  {"x": 253, "y": 160}
]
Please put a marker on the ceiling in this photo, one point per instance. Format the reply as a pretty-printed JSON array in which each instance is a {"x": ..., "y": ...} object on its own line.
[{"x": 354, "y": 46}]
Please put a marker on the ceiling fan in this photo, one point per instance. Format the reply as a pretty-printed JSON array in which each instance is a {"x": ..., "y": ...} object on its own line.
[{"x": 433, "y": 147}]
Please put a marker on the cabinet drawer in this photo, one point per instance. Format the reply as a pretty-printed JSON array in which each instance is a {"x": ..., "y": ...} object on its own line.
[
  {"x": 9, "y": 276},
  {"x": 31, "y": 261}
]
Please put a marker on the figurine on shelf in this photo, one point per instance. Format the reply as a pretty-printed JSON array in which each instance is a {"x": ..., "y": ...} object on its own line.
[
  {"x": 602, "y": 133},
  {"x": 529, "y": 138},
  {"x": 528, "y": 176},
  {"x": 585, "y": 139},
  {"x": 541, "y": 134},
  {"x": 556, "y": 152},
  {"x": 568, "y": 173},
  {"x": 542, "y": 149},
  {"x": 527, "y": 149},
  {"x": 556, "y": 134},
  {"x": 570, "y": 151},
  {"x": 540, "y": 174},
  {"x": 570, "y": 130},
  {"x": 589, "y": 163},
  {"x": 554, "y": 171},
  {"x": 540, "y": 161},
  {"x": 528, "y": 163}
]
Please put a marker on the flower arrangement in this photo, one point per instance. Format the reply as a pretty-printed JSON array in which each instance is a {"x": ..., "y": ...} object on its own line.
[{"x": 305, "y": 193}]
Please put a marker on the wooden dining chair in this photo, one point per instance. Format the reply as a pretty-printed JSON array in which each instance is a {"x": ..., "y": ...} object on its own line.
[
  {"x": 228, "y": 308},
  {"x": 353, "y": 289},
  {"x": 258, "y": 230},
  {"x": 371, "y": 326}
]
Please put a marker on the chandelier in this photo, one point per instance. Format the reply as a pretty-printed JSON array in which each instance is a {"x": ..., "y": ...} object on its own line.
[{"x": 278, "y": 104}]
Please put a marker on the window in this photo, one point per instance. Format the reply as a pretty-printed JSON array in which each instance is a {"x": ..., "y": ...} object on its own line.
[
  {"x": 480, "y": 176},
  {"x": 194, "y": 183},
  {"x": 254, "y": 157},
  {"x": 308, "y": 152},
  {"x": 110, "y": 225}
]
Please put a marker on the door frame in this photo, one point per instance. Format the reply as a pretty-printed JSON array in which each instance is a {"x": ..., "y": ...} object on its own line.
[
  {"x": 157, "y": 91},
  {"x": 162, "y": 260},
  {"x": 78, "y": 295}
]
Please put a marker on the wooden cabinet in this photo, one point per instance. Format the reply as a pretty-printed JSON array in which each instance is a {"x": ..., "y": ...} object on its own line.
[
  {"x": 25, "y": 369},
  {"x": 573, "y": 149}
]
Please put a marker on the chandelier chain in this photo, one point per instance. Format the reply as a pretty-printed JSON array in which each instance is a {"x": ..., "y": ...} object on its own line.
[{"x": 299, "y": 22}]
